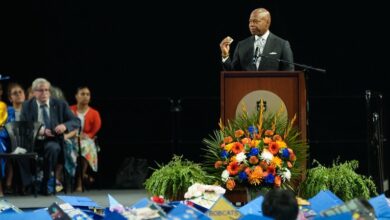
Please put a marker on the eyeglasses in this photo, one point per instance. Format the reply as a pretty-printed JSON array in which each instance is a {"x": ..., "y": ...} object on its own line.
[
  {"x": 42, "y": 90},
  {"x": 18, "y": 92}
]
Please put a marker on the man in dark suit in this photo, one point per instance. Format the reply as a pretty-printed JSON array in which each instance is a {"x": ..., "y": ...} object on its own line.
[
  {"x": 57, "y": 119},
  {"x": 261, "y": 51}
]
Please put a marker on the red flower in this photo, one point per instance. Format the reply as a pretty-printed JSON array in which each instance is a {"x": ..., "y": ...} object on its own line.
[
  {"x": 273, "y": 148},
  {"x": 233, "y": 168},
  {"x": 237, "y": 148}
]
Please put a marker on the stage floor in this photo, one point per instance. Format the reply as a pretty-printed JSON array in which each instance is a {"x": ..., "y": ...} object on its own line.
[{"x": 125, "y": 197}]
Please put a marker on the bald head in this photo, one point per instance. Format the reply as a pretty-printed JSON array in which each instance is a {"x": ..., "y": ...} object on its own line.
[{"x": 259, "y": 21}]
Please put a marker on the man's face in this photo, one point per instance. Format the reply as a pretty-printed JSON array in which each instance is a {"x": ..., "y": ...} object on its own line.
[
  {"x": 83, "y": 96},
  {"x": 258, "y": 23},
  {"x": 42, "y": 92}
]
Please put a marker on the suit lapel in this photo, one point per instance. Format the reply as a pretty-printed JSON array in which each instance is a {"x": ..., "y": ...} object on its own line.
[
  {"x": 34, "y": 110},
  {"x": 53, "y": 113},
  {"x": 251, "y": 53},
  {"x": 267, "y": 49}
]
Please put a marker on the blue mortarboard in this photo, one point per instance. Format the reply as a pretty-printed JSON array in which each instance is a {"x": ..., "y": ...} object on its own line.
[
  {"x": 325, "y": 199},
  {"x": 253, "y": 207},
  {"x": 141, "y": 203},
  {"x": 80, "y": 202},
  {"x": 112, "y": 202},
  {"x": 113, "y": 215},
  {"x": 254, "y": 217},
  {"x": 182, "y": 211},
  {"x": 381, "y": 206},
  {"x": 41, "y": 215},
  {"x": 343, "y": 216}
]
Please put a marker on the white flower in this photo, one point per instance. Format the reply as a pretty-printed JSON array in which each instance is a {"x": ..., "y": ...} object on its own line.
[
  {"x": 286, "y": 174},
  {"x": 225, "y": 175},
  {"x": 266, "y": 155},
  {"x": 240, "y": 157}
]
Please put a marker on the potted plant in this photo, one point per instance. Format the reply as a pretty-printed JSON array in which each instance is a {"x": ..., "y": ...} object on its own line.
[
  {"x": 340, "y": 178},
  {"x": 173, "y": 179},
  {"x": 254, "y": 153}
]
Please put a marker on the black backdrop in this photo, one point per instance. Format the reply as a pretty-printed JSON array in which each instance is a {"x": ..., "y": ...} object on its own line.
[{"x": 170, "y": 52}]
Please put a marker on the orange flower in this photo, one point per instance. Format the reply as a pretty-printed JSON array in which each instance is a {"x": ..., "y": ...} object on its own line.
[
  {"x": 237, "y": 148},
  {"x": 264, "y": 165},
  {"x": 289, "y": 164},
  {"x": 238, "y": 133},
  {"x": 253, "y": 160},
  {"x": 254, "y": 143},
  {"x": 267, "y": 140},
  {"x": 278, "y": 181},
  {"x": 292, "y": 156},
  {"x": 228, "y": 139},
  {"x": 233, "y": 168},
  {"x": 218, "y": 164},
  {"x": 245, "y": 140},
  {"x": 230, "y": 184},
  {"x": 256, "y": 176},
  {"x": 273, "y": 148},
  {"x": 269, "y": 133},
  {"x": 222, "y": 145},
  {"x": 281, "y": 144},
  {"x": 277, "y": 137}
]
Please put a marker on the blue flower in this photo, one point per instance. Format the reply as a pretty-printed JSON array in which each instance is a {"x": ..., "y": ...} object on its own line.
[
  {"x": 270, "y": 178},
  {"x": 242, "y": 175},
  {"x": 285, "y": 153},
  {"x": 252, "y": 129},
  {"x": 253, "y": 152},
  {"x": 224, "y": 154}
]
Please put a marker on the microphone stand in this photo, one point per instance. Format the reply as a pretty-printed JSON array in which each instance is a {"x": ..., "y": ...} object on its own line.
[
  {"x": 305, "y": 67},
  {"x": 305, "y": 70}
]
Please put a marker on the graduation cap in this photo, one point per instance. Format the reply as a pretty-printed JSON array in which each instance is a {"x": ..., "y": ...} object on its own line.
[
  {"x": 141, "y": 203},
  {"x": 80, "y": 202},
  {"x": 41, "y": 215},
  {"x": 325, "y": 199},
  {"x": 182, "y": 211},
  {"x": 254, "y": 217},
  {"x": 253, "y": 207},
  {"x": 343, "y": 216},
  {"x": 87, "y": 205},
  {"x": 381, "y": 206}
]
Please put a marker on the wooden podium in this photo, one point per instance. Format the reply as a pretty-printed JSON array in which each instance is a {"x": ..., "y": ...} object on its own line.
[{"x": 289, "y": 86}]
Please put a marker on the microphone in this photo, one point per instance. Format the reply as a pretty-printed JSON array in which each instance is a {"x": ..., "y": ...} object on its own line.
[
  {"x": 256, "y": 55},
  {"x": 305, "y": 67}
]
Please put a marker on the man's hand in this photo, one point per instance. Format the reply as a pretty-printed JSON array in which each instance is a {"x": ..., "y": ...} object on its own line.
[
  {"x": 225, "y": 46},
  {"x": 60, "y": 129},
  {"x": 48, "y": 133}
]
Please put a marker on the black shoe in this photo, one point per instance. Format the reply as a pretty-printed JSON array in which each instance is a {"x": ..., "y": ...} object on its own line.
[{"x": 8, "y": 190}]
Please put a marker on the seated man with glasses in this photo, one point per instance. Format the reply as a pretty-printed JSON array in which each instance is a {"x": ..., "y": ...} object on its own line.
[{"x": 57, "y": 118}]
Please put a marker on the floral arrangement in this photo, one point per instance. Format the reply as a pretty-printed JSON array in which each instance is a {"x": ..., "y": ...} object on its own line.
[
  {"x": 261, "y": 151},
  {"x": 204, "y": 195}
]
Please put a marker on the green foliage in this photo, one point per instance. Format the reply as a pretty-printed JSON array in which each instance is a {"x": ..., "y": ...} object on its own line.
[
  {"x": 341, "y": 179},
  {"x": 172, "y": 180}
]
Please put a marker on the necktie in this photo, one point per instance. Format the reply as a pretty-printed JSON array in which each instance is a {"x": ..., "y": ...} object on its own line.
[
  {"x": 260, "y": 45},
  {"x": 45, "y": 115}
]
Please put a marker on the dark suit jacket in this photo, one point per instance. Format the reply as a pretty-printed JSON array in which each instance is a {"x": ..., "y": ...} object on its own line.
[
  {"x": 60, "y": 113},
  {"x": 275, "y": 48}
]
